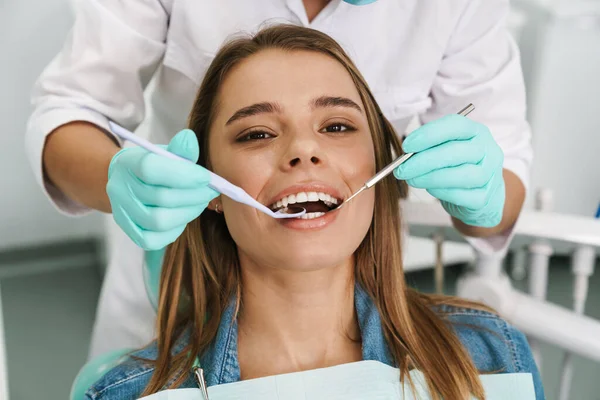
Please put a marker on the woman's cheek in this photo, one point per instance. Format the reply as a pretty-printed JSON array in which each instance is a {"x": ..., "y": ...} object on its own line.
[
  {"x": 358, "y": 166},
  {"x": 250, "y": 172},
  {"x": 361, "y": 169}
]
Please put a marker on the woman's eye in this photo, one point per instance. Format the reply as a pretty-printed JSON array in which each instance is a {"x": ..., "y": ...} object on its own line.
[
  {"x": 338, "y": 128},
  {"x": 256, "y": 135}
]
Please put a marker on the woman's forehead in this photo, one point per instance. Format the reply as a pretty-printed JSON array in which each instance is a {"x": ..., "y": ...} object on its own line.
[{"x": 292, "y": 78}]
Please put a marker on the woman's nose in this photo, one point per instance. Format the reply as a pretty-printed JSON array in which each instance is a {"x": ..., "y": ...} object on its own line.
[
  {"x": 309, "y": 160},
  {"x": 304, "y": 149}
]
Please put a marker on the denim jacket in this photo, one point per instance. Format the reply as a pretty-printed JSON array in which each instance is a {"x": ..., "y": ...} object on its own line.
[{"x": 493, "y": 344}]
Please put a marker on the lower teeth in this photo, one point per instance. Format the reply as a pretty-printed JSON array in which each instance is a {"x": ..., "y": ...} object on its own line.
[{"x": 312, "y": 215}]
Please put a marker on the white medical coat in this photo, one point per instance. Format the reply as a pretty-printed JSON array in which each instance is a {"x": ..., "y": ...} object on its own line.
[{"x": 424, "y": 58}]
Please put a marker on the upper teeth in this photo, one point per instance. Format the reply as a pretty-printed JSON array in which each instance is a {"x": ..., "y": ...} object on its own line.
[{"x": 303, "y": 197}]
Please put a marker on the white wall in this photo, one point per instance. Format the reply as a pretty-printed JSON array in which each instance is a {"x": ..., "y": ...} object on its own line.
[
  {"x": 31, "y": 32},
  {"x": 561, "y": 57}
]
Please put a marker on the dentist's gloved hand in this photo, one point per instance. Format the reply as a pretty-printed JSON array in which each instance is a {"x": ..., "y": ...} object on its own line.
[
  {"x": 458, "y": 162},
  {"x": 154, "y": 197}
]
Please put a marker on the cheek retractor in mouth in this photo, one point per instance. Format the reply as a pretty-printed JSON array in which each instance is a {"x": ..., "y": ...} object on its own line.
[{"x": 316, "y": 204}]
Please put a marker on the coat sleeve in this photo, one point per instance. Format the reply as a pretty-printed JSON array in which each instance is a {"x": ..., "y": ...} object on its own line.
[
  {"x": 107, "y": 60},
  {"x": 481, "y": 65}
]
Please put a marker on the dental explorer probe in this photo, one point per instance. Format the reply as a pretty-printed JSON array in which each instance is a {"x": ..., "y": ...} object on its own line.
[{"x": 392, "y": 166}]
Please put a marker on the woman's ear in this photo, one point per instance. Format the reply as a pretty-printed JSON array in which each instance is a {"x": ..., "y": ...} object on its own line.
[{"x": 216, "y": 205}]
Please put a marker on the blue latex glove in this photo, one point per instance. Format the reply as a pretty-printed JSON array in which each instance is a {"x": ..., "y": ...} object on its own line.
[
  {"x": 153, "y": 197},
  {"x": 458, "y": 162}
]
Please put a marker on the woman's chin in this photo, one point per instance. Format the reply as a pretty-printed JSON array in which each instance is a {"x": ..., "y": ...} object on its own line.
[
  {"x": 314, "y": 262},
  {"x": 313, "y": 252}
]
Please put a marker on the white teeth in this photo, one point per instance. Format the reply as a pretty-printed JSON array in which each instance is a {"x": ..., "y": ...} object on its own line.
[
  {"x": 301, "y": 197},
  {"x": 312, "y": 215},
  {"x": 313, "y": 196},
  {"x": 304, "y": 197}
]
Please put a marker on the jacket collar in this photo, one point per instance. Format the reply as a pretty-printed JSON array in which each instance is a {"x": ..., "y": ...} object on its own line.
[{"x": 220, "y": 360}]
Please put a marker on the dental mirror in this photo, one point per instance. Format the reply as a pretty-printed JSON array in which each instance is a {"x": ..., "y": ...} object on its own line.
[{"x": 289, "y": 212}]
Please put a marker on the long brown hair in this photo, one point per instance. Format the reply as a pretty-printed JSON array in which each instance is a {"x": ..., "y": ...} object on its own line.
[{"x": 201, "y": 271}]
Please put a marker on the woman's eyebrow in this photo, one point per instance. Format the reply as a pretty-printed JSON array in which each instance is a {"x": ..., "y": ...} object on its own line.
[
  {"x": 334, "y": 101},
  {"x": 267, "y": 107},
  {"x": 254, "y": 109}
]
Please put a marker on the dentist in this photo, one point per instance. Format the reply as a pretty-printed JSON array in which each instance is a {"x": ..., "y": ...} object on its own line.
[{"x": 421, "y": 58}]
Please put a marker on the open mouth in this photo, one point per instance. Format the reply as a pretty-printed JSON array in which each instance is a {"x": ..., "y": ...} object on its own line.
[{"x": 316, "y": 204}]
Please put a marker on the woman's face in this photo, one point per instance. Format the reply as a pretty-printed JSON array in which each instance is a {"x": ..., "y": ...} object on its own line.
[{"x": 291, "y": 127}]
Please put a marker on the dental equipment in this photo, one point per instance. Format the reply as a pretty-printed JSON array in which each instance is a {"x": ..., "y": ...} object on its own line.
[
  {"x": 217, "y": 183},
  {"x": 392, "y": 166}
]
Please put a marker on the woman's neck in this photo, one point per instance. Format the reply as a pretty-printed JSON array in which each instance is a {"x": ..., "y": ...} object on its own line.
[{"x": 295, "y": 321}]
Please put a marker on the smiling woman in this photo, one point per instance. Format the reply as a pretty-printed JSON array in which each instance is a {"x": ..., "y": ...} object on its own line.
[
  {"x": 289, "y": 122},
  {"x": 287, "y": 116}
]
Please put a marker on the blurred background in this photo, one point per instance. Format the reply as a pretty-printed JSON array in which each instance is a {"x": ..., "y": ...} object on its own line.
[{"x": 51, "y": 267}]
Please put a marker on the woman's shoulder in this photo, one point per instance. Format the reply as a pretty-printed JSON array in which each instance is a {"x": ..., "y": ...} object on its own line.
[
  {"x": 128, "y": 379},
  {"x": 494, "y": 344}
]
